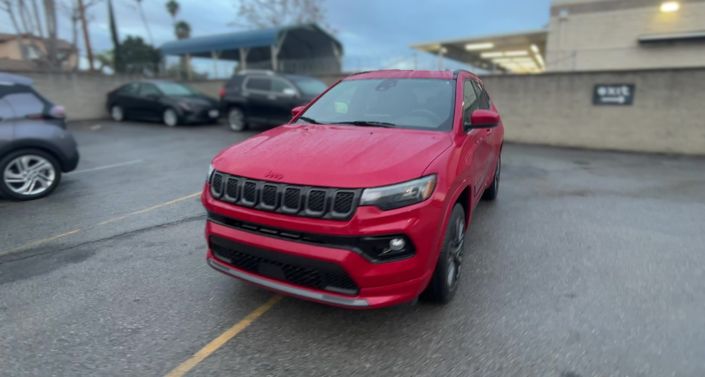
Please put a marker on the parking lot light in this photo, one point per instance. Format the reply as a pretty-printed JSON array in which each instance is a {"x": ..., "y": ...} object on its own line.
[{"x": 670, "y": 6}]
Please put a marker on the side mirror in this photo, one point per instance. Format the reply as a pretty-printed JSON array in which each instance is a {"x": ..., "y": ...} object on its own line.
[
  {"x": 483, "y": 119},
  {"x": 57, "y": 112},
  {"x": 297, "y": 110}
]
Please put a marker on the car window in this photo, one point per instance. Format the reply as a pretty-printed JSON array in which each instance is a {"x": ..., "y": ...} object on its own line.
[
  {"x": 470, "y": 100},
  {"x": 279, "y": 86},
  {"x": 483, "y": 97},
  {"x": 129, "y": 89},
  {"x": 6, "y": 112},
  {"x": 174, "y": 89},
  {"x": 403, "y": 103},
  {"x": 149, "y": 89},
  {"x": 309, "y": 86},
  {"x": 259, "y": 83},
  {"x": 25, "y": 104}
]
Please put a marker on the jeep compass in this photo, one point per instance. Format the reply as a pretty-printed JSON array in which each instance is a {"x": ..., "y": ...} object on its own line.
[{"x": 363, "y": 199}]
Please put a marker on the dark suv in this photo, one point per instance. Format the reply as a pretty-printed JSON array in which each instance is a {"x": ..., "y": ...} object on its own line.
[
  {"x": 265, "y": 97},
  {"x": 35, "y": 147}
]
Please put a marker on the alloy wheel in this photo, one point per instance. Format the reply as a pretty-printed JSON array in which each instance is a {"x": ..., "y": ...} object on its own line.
[
  {"x": 236, "y": 120},
  {"x": 29, "y": 175},
  {"x": 170, "y": 118},
  {"x": 117, "y": 114},
  {"x": 455, "y": 252}
]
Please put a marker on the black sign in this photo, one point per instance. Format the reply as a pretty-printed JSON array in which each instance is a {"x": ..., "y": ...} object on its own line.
[{"x": 613, "y": 94}]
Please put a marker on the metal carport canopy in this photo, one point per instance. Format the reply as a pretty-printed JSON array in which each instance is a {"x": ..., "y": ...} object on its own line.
[{"x": 228, "y": 45}]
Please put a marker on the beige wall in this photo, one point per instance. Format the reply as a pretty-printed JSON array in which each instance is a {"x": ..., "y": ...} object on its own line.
[
  {"x": 668, "y": 115},
  {"x": 603, "y": 35},
  {"x": 10, "y": 50}
]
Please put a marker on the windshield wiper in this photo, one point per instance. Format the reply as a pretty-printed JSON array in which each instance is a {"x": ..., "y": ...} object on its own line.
[
  {"x": 309, "y": 120},
  {"x": 368, "y": 123}
]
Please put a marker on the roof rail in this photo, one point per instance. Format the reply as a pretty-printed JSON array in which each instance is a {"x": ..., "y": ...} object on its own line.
[{"x": 260, "y": 71}]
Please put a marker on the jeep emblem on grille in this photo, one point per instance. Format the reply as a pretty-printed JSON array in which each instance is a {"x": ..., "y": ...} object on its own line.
[{"x": 273, "y": 175}]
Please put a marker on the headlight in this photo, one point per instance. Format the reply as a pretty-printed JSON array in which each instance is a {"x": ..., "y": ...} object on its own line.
[
  {"x": 210, "y": 172},
  {"x": 399, "y": 195}
]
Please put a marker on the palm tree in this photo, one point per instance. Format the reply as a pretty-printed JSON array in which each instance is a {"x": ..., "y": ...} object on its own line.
[
  {"x": 182, "y": 29},
  {"x": 172, "y": 6},
  {"x": 144, "y": 21}
]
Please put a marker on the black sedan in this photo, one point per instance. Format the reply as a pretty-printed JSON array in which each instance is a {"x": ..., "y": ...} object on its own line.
[{"x": 166, "y": 101}]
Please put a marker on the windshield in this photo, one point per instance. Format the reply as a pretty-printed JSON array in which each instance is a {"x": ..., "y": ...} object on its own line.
[
  {"x": 174, "y": 89},
  {"x": 403, "y": 103},
  {"x": 310, "y": 87}
]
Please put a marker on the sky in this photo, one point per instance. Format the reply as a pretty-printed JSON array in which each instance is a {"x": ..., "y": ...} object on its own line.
[{"x": 375, "y": 34}]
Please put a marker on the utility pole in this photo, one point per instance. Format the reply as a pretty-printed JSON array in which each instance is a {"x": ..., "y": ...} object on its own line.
[{"x": 86, "y": 37}]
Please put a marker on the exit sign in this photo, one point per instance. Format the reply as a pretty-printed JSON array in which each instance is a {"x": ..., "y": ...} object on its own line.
[{"x": 613, "y": 95}]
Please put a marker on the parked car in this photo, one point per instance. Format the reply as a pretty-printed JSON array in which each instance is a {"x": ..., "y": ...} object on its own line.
[
  {"x": 35, "y": 146},
  {"x": 158, "y": 100},
  {"x": 364, "y": 198},
  {"x": 265, "y": 97}
]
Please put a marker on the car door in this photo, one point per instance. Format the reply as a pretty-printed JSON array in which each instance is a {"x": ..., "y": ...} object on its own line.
[
  {"x": 148, "y": 101},
  {"x": 472, "y": 163},
  {"x": 257, "y": 90},
  {"x": 7, "y": 116},
  {"x": 491, "y": 140}
]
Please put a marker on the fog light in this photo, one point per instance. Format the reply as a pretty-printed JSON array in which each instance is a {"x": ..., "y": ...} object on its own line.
[{"x": 397, "y": 244}]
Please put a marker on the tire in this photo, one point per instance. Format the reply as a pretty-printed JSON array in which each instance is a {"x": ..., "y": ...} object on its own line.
[
  {"x": 117, "y": 113},
  {"x": 28, "y": 174},
  {"x": 491, "y": 192},
  {"x": 237, "y": 120},
  {"x": 170, "y": 118},
  {"x": 444, "y": 282}
]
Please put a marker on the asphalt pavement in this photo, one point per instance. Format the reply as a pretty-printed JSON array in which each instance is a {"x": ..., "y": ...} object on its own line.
[{"x": 589, "y": 264}]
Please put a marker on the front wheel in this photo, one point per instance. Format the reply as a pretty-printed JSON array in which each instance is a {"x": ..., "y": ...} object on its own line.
[
  {"x": 117, "y": 113},
  {"x": 236, "y": 120},
  {"x": 29, "y": 174},
  {"x": 444, "y": 282},
  {"x": 170, "y": 118}
]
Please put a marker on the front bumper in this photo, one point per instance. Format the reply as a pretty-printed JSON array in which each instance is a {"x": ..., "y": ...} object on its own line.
[
  {"x": 201, "y": 115},
  {"x": 378, "y": 284}
]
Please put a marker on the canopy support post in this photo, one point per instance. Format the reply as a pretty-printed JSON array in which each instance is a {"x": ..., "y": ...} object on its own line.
[
  {"x": 243, "y": 58},
  {"x": 214, "y": 56}
]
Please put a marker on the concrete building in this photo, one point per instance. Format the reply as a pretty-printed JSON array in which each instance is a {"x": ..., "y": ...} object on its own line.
[
  {"x": 22, "y": 53},
  {"x": 593, "y": 35}
]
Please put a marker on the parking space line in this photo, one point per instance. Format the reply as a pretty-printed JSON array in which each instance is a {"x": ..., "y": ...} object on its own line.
[
  {"x": 97, "y": 168},
  {"x": 145, "y": 210},
  {"x": 42, "y": 241},
  {"x": 223, "y": 338},
  {"x": 108, "y": 221}
]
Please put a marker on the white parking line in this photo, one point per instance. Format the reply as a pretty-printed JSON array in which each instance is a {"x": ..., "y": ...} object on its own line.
[{"x": 107, "y": 166}]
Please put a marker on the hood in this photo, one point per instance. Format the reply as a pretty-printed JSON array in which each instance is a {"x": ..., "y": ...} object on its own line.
[{"x": 334, "y": 156}]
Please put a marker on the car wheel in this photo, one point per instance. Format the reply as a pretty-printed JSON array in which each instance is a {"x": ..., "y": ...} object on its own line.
[
  {"x": 237, "y": 120},
  {"x": 170, "y": 118},
  {"x": 492, "y": 191},
  {"x": 29, "y": 174},
  {"x": 444, "y": 282},
  {"x": 117, "y": 113}
]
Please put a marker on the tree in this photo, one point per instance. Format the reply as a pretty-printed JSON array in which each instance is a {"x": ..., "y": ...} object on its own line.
[
  {"x": 118, "y": 64},
  {"x": 260, "y": 14},
  {"x": 173, "y": 7},
  {"x": 182, "y": 30},
  {"x": 144, "y": 21},
  {"x": 79, "y": 15}
]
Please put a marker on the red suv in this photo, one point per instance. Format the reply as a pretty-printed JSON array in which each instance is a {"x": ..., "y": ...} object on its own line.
[{"x": 362, "y": 200}]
